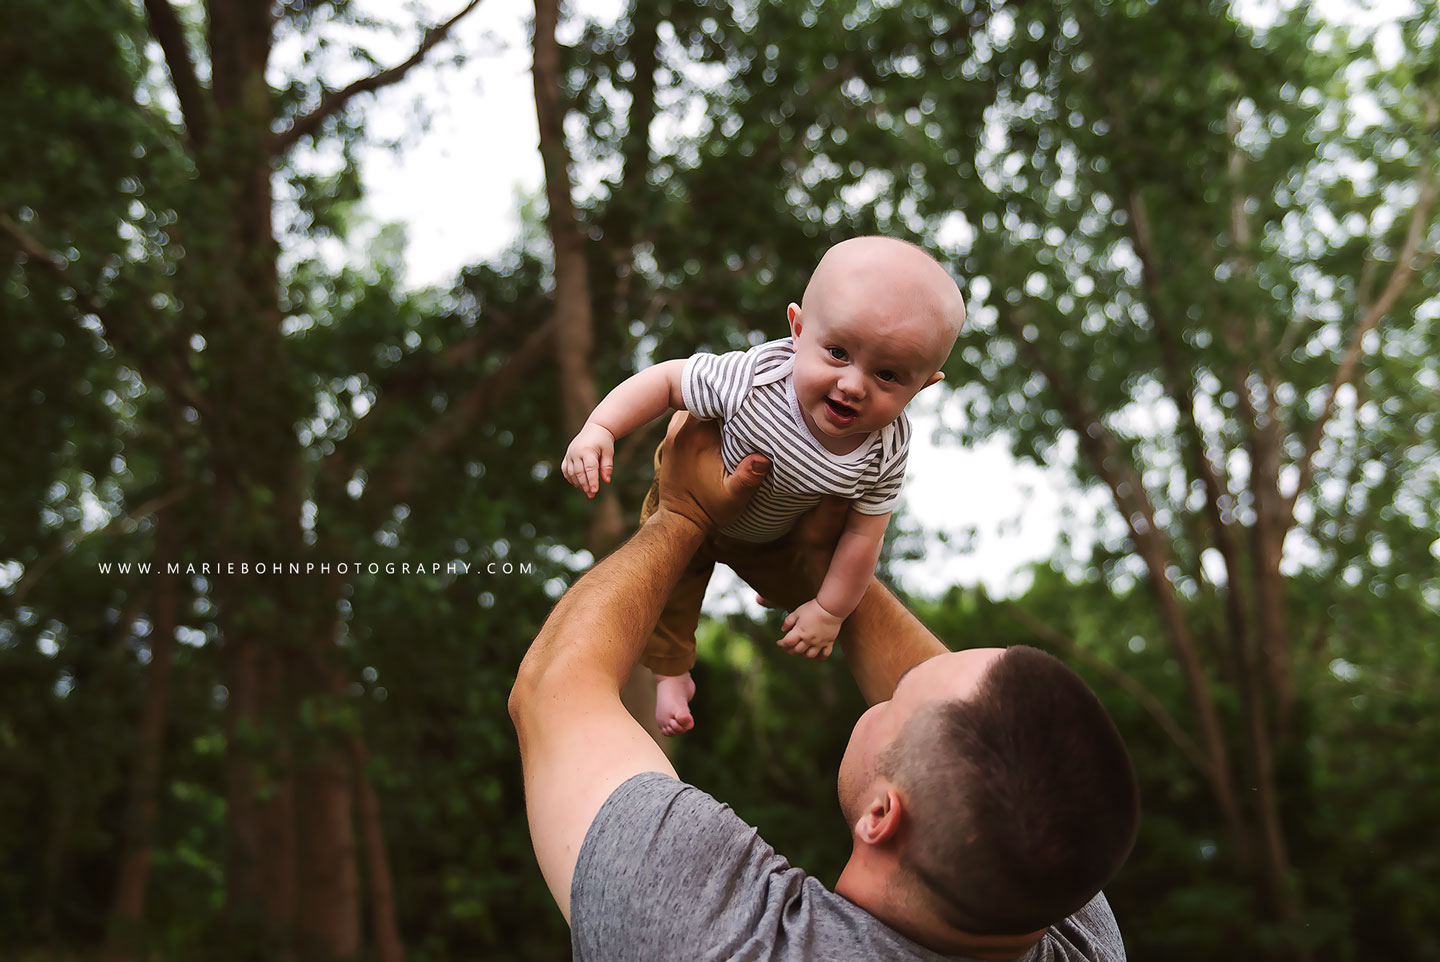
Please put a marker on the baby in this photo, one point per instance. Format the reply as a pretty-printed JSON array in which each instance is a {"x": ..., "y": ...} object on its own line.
[{"x": 825, "y": 405}]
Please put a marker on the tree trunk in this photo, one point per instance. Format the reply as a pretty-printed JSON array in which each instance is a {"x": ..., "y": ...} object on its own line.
[
  {"x": 242, "y": 820},
  {"x": 278, "y": 818},
  {"x": 574, "y": 335},
  {"x": 277, "y": 857},
  {"x": 574, "y": 314},
  {"x": 328, "y": 904},
  {"x": 52, "y": 862},
  {"x": 574, "y": 340},
  {"x": 128, "y": 909},
  {"x": 1268, "y": 697},
  {"x": 384, "y": 927},
  {"x": 329, "y": 882}
]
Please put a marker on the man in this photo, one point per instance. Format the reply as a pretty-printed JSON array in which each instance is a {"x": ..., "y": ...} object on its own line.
[{"x": 987, "y": 794}]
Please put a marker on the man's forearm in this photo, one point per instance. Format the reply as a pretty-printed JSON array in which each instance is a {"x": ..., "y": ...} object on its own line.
[
  {"x": 882, "y": 640},
  {"x": 596, "y": 632}
]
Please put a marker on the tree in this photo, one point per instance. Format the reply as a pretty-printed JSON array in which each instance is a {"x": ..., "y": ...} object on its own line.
[
  {"x": 1185, "y": 276},
  {"x": 188, "y": 310}
]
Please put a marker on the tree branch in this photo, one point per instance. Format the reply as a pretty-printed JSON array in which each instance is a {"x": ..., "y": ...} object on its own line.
[
  {"x": 1263, "y": 653},
  {"x": 116, "y": 525},
  {"x": 644, "y": 45},
  {"x": 1096, "y": 441},
  {"x": 396, "y": 479},
  {"x": 170, "y": 377},
  {"x": 332, "y": 102},
  {"x": 170, "y": 34},
  {"x": 33, "y": 249},
  {"x": 405, "y": 379},
  {"x": 1219, "y": 499},
  {"x": 1405, "y": 270},
  {"x": 1181, "y": 388}
]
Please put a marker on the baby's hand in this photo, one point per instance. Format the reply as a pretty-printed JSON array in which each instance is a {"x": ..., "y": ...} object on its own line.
[
  {"x": 589, "y": 459},
  {"x": 811, "y": 631}
]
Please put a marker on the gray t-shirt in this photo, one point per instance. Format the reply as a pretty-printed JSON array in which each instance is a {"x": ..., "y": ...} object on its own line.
[{"x": 668, "y": 874}]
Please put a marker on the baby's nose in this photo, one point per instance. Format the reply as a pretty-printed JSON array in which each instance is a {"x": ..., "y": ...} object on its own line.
[{"x": 852, "y": 384}]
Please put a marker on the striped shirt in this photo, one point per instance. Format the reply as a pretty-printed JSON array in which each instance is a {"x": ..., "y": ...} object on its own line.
[{"x": 753, "y": 394}]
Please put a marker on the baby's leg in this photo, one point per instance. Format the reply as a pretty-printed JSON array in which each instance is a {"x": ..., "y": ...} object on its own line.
[
  {"x": 670, "y": 652},
  {"x": 672, "y": 703}
]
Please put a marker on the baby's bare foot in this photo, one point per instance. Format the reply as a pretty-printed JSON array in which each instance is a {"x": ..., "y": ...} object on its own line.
[{"x": 672, "y": 703}]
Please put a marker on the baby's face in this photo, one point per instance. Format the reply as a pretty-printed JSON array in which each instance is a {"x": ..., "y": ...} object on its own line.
[{"x": 857, "y": 367}]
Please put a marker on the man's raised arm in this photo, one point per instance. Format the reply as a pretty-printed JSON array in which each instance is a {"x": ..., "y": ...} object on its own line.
[{"x": 577, "y": 741}]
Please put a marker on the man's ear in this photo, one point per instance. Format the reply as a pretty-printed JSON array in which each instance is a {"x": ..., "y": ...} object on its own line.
[
  {"x": 792, "y": 314},
  {"x": 879, "y": 823}
]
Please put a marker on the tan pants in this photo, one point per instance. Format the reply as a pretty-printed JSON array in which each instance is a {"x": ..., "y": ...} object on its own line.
[{"x": 671, "y": 647}]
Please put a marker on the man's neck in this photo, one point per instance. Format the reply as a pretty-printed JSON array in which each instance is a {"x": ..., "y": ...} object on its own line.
[{"x": 876, "y": 893}]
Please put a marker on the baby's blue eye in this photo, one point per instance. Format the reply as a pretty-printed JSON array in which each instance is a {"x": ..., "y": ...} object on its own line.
[
  {"x": 838, "y": 353},
  {"x": 886, "y": 376}
]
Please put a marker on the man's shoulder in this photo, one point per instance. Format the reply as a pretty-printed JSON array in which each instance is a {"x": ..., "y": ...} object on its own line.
[{"x": 1089, "y": 935}]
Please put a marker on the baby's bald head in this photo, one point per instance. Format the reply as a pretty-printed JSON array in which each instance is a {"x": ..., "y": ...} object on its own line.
[{"x": 893, "y": 282}]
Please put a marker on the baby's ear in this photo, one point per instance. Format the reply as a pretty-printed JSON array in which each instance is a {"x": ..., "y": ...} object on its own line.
[
  {"x": 935, "y": 378},
  {"x": 792, "y": 314}
]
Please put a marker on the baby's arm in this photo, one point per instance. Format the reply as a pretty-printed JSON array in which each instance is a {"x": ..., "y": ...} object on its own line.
[
  {"x": 636, "y": 401},
  {"x": 813, "y": 626}
]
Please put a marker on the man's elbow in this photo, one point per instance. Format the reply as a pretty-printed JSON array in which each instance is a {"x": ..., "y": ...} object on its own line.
[
  {"x": 543, "y": 674},
  {"x": 516, "y": 702},
  {"x": 523, "y": 692}
]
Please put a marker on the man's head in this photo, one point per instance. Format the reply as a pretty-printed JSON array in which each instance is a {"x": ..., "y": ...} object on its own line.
[
  {"x": 877, "y": 321},
  {"x": 998, "y": 786}
]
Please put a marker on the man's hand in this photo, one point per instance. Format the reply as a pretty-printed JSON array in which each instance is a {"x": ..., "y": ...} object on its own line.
[
  {"x": 590, "y": 459},
  {"x": 811, "y": 630},
  {"x": 693, "y": 480}
]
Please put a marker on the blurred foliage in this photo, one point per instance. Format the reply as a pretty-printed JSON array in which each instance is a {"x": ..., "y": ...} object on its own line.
[{"x": 987, "y": 130}]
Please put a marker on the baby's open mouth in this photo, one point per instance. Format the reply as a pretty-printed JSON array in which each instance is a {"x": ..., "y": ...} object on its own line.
[{"x": 840, "y": 410}]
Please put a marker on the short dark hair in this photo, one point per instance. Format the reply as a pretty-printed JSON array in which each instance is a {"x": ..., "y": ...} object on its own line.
[{"x": 1022, "y": 799}]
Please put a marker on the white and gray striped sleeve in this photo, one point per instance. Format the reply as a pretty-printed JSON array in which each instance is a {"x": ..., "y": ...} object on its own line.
[
  {"x": 714, "y": 385},
  {"x": 884, "y": 495}
]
